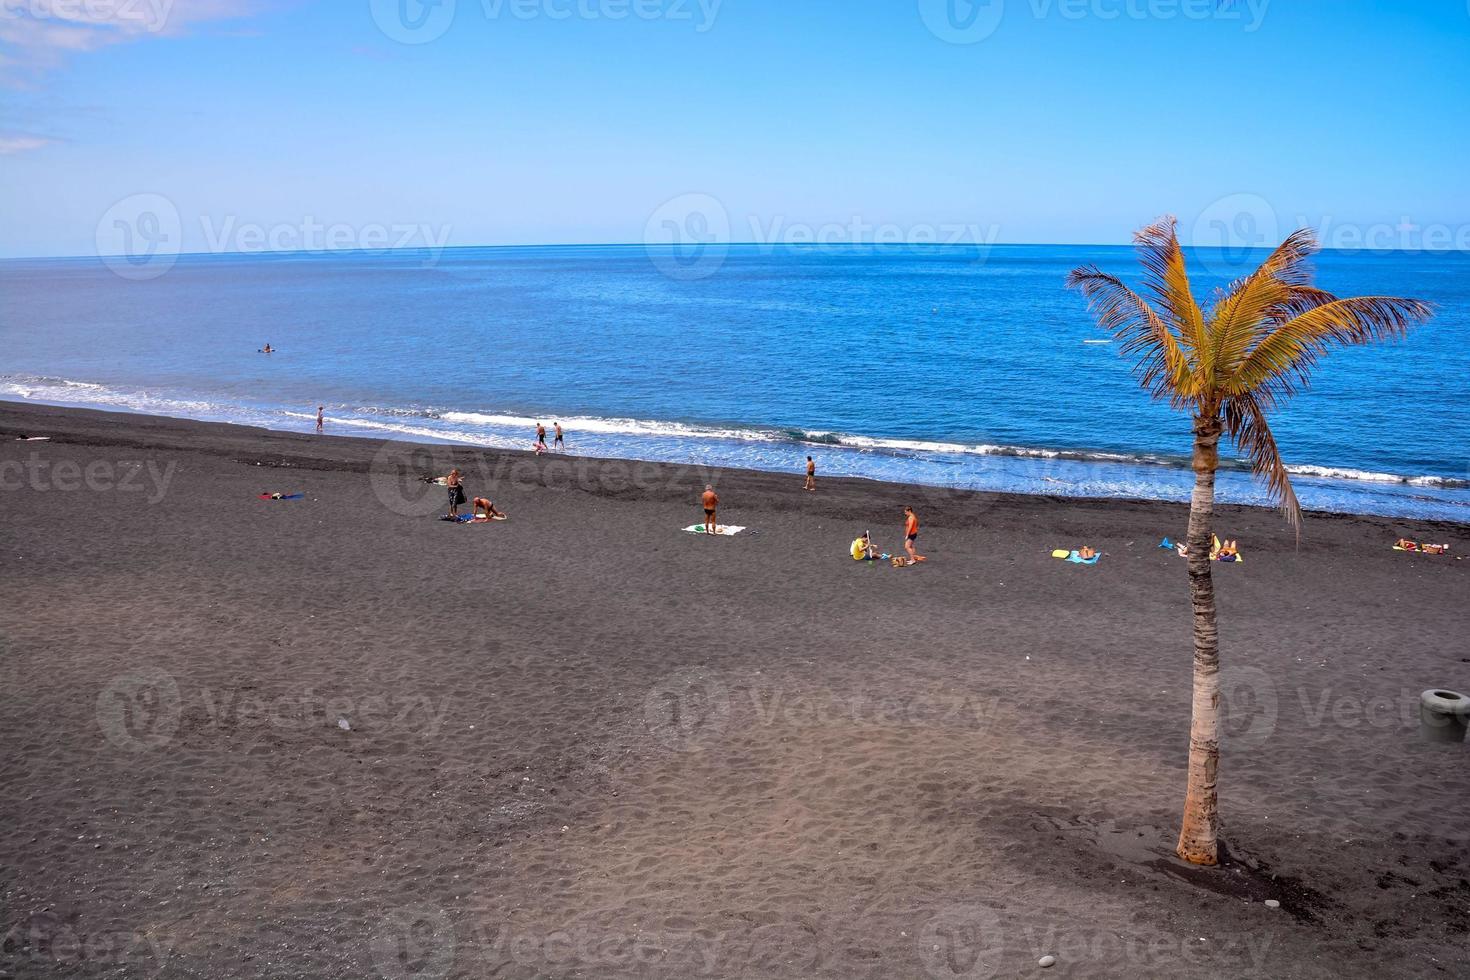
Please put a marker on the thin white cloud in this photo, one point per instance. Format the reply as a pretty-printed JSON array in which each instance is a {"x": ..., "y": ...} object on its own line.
[
  {"x": 39, "y": 35},
  {"x": 12, "y": 143}
]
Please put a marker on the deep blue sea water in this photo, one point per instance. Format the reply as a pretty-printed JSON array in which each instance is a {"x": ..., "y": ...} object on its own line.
[{"x": 947, "y": 366}]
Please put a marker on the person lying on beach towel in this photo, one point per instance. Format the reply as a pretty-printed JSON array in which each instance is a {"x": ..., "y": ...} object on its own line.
[
  {"x": 1227, "y": 550},
  {"x": 491, "y": 514},
  {"x": 1404, "y": 544},
  {"x": 281, "y": 496}
]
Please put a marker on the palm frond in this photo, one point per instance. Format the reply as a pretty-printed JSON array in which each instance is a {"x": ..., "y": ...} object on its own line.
[
  {"x": 1252, "y": 305},
  {"x": 1167, "y": 278},
  {"x": 1163, "y": 368},
  {"x": 1281, "y": 363},
  {"x": 1245, "y": 423}
]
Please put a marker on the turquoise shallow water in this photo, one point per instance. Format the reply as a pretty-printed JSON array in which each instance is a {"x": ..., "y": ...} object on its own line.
[{"x": 946, "y": 366}]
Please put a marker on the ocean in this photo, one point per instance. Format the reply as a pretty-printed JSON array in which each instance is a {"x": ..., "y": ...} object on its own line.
[{"x": 946, "y": 366}]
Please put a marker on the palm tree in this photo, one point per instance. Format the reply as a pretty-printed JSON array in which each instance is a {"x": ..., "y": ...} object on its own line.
[{"x": 1229, "y": 367}]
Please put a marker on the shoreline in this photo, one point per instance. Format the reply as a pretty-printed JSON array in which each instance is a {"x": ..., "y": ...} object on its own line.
[{"x": 18, "y": 409}]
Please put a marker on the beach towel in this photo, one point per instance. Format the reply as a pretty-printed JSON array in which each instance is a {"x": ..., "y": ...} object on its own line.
[
  {"x": 281, "y": 496},
  {"x": 1426, "y": 549},
  {"x": 1077, "y": 559},
  {"x": 457, "y": 519},
  {"x": 725, "y": 529},
  {"x": 486, "y": 520}
]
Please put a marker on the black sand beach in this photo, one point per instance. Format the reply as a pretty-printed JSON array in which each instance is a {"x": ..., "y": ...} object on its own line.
[{"x": 580, "y": 743}]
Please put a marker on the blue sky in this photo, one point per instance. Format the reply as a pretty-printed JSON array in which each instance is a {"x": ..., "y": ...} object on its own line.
[{"x": 548, "y": 121}]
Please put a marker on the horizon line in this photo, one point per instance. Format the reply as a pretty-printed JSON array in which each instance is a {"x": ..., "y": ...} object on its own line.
[{"x": 767, "y": 245}]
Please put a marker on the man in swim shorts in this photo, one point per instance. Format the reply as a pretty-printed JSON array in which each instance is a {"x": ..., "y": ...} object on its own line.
[
  {"x": 456, "y": 492},
  {"x": 560, "y": 441},
  {"x": 483, "y": 503},
  {"x": 811, "y": 474},
  {"x": 540, "y": 438},
  {"x": 711, "y": 502},
  {"x": 911, "y": 533},
  {"x": 319, "y": 418}
]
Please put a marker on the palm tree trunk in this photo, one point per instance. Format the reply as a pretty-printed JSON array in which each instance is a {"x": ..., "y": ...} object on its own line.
[{"x": 1197, "y": 840}]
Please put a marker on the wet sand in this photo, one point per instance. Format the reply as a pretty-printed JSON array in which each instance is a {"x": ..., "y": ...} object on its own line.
[{"x": 580, "y": 743}]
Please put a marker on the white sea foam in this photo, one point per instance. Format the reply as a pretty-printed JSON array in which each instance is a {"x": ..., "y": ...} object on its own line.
[{"x": 506, "y": 430}]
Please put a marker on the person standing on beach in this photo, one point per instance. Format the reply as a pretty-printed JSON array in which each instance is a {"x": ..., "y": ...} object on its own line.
[
  {"x": 559, "y": 443},
  {"x": 911, "y": 534},
  {"x": 456, "y": 492},
  {"x": 711, "y": 503},
  {"x": 319, "y": 419},
  {"x": 540, "y": 438},
  {"x": 811, "y": 474}
]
